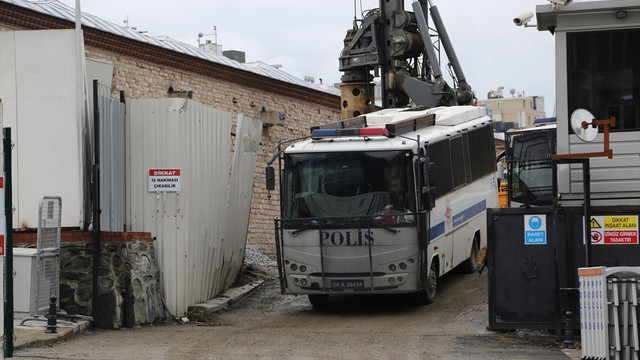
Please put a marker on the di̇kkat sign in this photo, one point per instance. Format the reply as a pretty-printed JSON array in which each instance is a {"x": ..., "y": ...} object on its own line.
[
  {"x": 164, "y": 180},
  {"x": 614, "y": 230}
]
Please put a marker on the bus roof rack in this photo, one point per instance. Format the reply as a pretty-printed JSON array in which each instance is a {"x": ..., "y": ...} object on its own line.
[
  {"x": 413, "y": 124},
  {"x": 394, "y": 128}
]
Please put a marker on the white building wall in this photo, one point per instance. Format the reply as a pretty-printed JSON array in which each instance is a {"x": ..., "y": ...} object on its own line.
[{"x": 38, "y": 87}]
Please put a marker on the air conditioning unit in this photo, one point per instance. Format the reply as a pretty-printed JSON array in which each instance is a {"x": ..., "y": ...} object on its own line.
[{"x": 25, "y": 264}]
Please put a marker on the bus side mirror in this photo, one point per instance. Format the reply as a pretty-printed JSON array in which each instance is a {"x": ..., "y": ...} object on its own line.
[
  {"x": 428, "y": 190},
  {"x": 271, "y": 178},
  {"x": 429, "y": 175}
]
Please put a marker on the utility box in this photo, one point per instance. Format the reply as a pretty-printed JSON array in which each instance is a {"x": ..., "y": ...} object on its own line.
[{"x": 25, "y": 264}]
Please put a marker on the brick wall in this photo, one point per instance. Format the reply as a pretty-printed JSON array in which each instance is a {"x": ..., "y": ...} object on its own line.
[
  {"x": 146, "y": 80},
  {"x": 145, "y": 71}
]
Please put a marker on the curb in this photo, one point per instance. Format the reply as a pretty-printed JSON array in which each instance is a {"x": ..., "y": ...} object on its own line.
[
  {"x": 223, "y": 300},
  {"x": 28, "y": 336}
]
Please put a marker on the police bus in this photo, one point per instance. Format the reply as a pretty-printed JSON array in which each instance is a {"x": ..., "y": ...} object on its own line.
[{"x": 386, "y": 202}]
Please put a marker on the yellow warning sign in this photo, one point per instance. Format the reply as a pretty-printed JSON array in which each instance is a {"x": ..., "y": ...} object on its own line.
[
  {"x": 620, "y": 222},
  {"x": 618, "y": 229}
]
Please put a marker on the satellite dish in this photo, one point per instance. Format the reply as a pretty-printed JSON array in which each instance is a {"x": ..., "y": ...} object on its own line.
[
  {"x": 512, "y": 91},
  {"x": 582, "y": 124}
]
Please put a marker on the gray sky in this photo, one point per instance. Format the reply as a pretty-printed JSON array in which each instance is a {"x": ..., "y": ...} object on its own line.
[{"x": 306, "y": 36}]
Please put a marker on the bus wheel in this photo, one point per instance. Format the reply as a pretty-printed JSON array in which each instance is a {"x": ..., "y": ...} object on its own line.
[
  {"x": 472, "y": 264},
  {"x": 319, "y": 300},
  {"x": 428, "y": 295}
]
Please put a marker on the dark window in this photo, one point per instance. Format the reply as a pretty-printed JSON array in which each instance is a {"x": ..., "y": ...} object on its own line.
[
  {"x": 482, "y": 154},
  {"x": 439, "y": 154},
  {"x": 462, "y": 159},
  {"x": 603, "y": 73},
  {"x": 458, "y": 161}
]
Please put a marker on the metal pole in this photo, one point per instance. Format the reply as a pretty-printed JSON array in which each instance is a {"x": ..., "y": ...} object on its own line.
[
  {"x": 8, "y": 245},
  {"x": 586, "y": 184},
  {"x": 96, "y": 201},
  {"x": 586, "y": 181}
]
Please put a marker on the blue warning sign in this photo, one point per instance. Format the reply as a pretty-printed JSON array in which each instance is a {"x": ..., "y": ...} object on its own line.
[{"x": 535, "y": 230}]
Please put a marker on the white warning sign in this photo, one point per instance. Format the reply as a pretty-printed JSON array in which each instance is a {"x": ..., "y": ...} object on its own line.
[
  {"x": 164, "y": 180},
  {"x": 614, "y": 230}
]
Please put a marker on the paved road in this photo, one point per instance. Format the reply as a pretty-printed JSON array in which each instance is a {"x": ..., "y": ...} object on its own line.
[{"x": 268, "y": 325}]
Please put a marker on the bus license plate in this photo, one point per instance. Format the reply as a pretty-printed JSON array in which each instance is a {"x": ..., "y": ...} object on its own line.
[{"x": 347, "y": 284}]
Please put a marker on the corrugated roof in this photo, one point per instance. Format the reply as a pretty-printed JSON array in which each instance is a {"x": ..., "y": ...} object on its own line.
[{"x": 57, "y": 9}]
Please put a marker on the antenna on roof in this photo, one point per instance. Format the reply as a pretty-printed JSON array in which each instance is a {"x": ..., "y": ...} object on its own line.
[{"x": 208, "y": 45}]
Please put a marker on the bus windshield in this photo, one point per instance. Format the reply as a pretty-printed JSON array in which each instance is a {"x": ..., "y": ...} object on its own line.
[{"x": 350, "y": 184}]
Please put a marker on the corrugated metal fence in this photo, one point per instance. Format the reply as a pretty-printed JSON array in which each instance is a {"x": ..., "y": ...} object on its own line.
[
  {"x": 199, "y": 238},
  {"x": 112, "y": 161}
]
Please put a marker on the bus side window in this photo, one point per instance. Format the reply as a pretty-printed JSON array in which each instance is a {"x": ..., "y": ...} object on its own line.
[
  {"x": 458, "y": 162},
  {"x": 482, "y": 150},
  {"x": 438, "y": 153}
]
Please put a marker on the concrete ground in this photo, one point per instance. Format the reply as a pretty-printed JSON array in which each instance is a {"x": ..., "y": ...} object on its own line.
[{"x": 269, "y": 325}]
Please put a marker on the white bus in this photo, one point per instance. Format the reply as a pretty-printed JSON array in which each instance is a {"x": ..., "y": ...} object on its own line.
[{"x": 384, "y": 203}]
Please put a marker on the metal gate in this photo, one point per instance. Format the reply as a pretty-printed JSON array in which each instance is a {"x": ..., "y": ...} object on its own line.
[
  {"x": 532, "y": 284},
  {"x": 523, "y": 278},
  {"x": 48, "y": 252}
]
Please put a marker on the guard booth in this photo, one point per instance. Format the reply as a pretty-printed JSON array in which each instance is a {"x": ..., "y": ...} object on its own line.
[{"x": 536, "y": 247}]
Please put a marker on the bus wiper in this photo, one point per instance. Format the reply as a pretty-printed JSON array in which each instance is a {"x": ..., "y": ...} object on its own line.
[
  {"x": 296, "y": 232},
  {"x": 390, "y": 229}
]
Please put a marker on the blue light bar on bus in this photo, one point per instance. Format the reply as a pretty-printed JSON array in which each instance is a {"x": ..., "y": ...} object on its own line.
[{"x": 323, "y": 133}]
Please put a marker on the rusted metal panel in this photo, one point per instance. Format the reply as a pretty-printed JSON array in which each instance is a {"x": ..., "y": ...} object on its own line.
[{"x": 247, "y": 142}]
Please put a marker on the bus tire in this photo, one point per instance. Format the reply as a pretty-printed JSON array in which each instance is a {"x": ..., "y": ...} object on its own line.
[
  {"x": 472, "y": 264},
  {"x": 428, "y": 295},
  {"x": 319, "y": 300}
]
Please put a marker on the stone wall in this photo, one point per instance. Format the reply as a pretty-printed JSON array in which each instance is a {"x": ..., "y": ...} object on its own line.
[{"x": 125, "y": 258}]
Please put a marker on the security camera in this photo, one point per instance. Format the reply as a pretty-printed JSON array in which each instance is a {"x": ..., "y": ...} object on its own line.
[{"x": 523, "y": 19}]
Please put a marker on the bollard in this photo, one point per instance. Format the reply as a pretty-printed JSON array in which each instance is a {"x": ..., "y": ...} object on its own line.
[
  {"x": 52, "y": 317},
  {"x": 568, "y": 332},
  {"x": 72, "y": 308}
]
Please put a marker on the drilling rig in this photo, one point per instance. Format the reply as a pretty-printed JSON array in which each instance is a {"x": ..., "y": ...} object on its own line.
[{"x": 398, "y": 46}]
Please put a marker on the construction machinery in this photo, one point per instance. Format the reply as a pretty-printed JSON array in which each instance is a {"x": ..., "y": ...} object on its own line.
[{"x": 400, "y": 48}]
